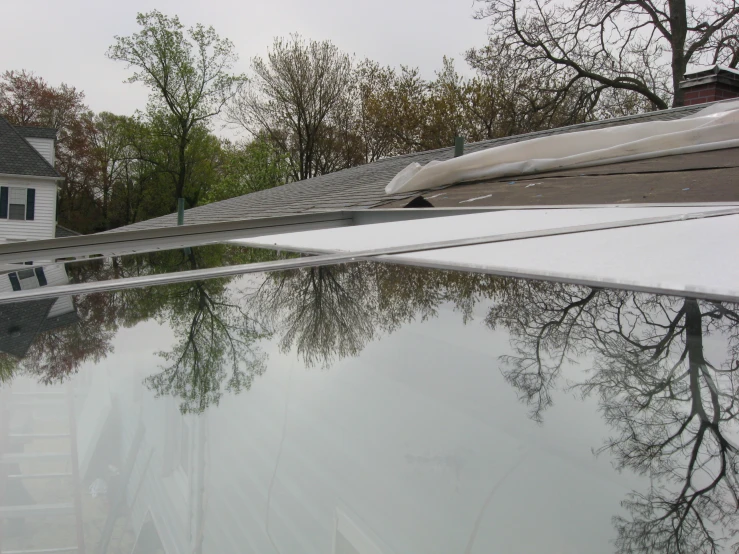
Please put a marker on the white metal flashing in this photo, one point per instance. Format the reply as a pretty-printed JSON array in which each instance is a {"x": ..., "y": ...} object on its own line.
[{"x": 412, "y": 255}]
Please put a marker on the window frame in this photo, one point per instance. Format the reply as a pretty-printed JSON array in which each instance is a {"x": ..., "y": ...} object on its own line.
[
  {"x": 11, "y": 190},
  {"x": 5, "y": 202},
  {"x": 38, "y": 274}
]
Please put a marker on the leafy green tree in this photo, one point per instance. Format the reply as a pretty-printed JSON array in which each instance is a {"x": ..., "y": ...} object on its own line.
[
  {"x": 247, "y": 167},
  {"x": 188, "y": 73}
]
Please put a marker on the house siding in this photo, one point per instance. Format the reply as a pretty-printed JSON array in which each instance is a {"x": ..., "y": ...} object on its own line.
[
  {"x": 45, "y": 147},
  {"x": 43, "y": 225}
]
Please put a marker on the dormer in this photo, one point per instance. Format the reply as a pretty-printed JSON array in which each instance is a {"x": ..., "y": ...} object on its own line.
[{"x": 42, "y": 139}]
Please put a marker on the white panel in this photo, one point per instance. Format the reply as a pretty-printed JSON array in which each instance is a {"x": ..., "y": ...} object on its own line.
[
  {"x": 43, "y": 146},
  {"x": 693, "y": 256},
  {"x": 56, "y": 275},
  {"x": 402, "y": 233},
  {"x": 682, "y": 256},
  {"x": 92, "y": 418},
  {"x": 63, "y": 305}
]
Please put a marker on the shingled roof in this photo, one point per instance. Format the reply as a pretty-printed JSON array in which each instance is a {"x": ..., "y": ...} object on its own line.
[
  {"x": 20, "y": 323},
  {"x": 18, "y": 157},
  {"x": 37, "y": 132},
  {"x": 363, "y": 186}
]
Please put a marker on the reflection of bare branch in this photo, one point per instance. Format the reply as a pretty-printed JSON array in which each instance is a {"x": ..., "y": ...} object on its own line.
[
  {"x": 216, "y": 345},
  {"x": 673, "y": 412},
  {"x": 324, "y": 311},
  {"x": 329, "y": 313},
  {"x": 546, "y": 330}
]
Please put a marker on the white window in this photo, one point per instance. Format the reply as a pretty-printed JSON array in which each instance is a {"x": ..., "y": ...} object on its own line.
[
  {"x": 17, "y": 203},
  {"x": 28, "y": 279}
]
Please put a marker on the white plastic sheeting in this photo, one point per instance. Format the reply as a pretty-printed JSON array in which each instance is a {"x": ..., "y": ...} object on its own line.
[
  {"x": 713, "y": 128},
  {"x": 680, "y": 257}
]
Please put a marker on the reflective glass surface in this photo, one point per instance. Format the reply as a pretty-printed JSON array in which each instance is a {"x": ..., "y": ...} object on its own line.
[{"x": 368, "y": 408}]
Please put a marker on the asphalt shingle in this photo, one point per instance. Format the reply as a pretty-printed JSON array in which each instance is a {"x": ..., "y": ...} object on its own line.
[
  {"x": 37, "y": 132},
  {"x": 18, "y": 157}
]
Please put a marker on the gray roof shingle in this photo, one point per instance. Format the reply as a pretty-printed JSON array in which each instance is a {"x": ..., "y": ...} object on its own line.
[
  {"x": 363, "y": 186},
  {"x": 18, "y": 157},
  {"x": 36, "y": 132},
  {"x": 62, "y": 232},
  {"x": 20, "y": 323}
]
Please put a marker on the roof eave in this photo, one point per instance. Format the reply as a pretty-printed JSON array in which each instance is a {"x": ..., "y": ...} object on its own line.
[{"x": 25, "y": 176}]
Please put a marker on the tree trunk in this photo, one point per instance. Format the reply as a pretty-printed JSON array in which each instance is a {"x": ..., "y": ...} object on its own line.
[
  {"x": 679, "y": 30},
  {"x": 694, "y": 344},
  {"x": 182, "y": 167}
]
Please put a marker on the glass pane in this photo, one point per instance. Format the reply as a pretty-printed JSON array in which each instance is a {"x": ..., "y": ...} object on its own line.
[
  {"x": 26, "y": 274},
  {"x": 17, "y": 211},
  {"x": 446, "y": 412},
  {"x": 18, "y": 196},
  {"x": 167, "y": 261}
]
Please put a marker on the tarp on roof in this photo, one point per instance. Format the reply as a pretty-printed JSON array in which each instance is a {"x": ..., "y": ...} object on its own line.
[{"x": 714, "y": 128}]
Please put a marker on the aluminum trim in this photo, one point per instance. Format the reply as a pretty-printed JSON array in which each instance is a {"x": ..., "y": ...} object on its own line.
[{"x": 381, "y": 254}]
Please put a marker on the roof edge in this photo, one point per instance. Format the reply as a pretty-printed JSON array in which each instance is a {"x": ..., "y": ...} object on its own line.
[{"x": 26, "y": 176}]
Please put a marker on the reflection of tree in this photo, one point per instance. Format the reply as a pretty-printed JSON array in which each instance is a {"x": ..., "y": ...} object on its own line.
[
  {"x": 215, "y": 344},
  {"x": 58, "y": 353},
  {"x": 215, "y": 337},
  {"x": 323, "y": 311},
  {"x": 58, "y": 346},
  {"x": 332, "y": 312},
  {"x": 215, "y": 348},
  {"x": 673, "y": 411}
]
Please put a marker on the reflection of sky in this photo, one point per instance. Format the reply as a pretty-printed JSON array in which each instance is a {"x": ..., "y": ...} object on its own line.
[
  {"x": 419, "y": 437},
  {"x": 418, "y": 440}
]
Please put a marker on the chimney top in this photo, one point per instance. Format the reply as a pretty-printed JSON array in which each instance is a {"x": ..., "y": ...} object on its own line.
[{"x": 710, "y": 85}]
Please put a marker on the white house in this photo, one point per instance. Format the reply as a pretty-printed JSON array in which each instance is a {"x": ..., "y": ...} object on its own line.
[{"x": 28, "y": 183}]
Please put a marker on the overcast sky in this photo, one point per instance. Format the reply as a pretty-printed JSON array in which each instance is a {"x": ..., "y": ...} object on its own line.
[{"x": 65, "y": 41}]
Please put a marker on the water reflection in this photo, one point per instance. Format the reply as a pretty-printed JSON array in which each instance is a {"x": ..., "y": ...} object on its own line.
[{"x": 663, "y": 370}]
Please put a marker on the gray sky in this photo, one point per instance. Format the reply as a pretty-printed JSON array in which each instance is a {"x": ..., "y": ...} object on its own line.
[{"x": 65, "y": 41}]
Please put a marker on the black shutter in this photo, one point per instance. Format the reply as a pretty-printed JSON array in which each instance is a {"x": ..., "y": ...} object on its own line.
[
  {"x": 30, "y": 203},
  {"x": 4, "y": 202},
  {"x": 40, "y": 276},
  {"x": 14, "y": 282}
]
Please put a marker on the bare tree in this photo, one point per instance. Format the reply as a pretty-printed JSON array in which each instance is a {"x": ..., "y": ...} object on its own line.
[
  {"x": 639, "y": 46},
  {"x": 294, "y": 97},
  {"x": 673, "y": 412}
]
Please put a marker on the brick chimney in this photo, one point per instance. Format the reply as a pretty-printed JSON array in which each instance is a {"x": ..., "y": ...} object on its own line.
[{"x": 717, "y": 83}]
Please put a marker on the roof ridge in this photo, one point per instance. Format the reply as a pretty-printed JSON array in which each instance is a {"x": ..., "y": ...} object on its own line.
[{"x": 35, "y": 127}]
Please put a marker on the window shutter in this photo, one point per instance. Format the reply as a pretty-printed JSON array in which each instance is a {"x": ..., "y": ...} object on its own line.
[
  {"x": 14, "y": 282},
  {"x": 4, "y": 202},
  {"x": 40, "y": 276},
  {"x": 30, "y": 203}
]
